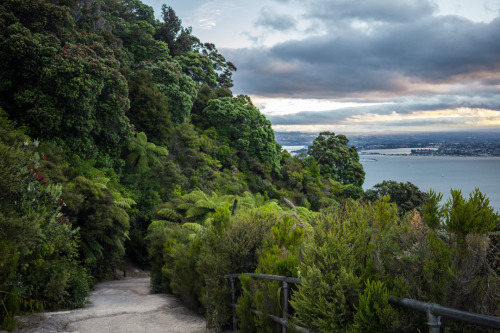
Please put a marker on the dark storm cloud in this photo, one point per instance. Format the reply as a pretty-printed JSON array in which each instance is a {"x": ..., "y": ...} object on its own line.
[
  {"x": 270, "y": 19},
  {"x": 386, "y": 58}
]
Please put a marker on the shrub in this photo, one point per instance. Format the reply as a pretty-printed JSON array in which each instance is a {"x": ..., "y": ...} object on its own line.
[{"x": 374, "y": 313}]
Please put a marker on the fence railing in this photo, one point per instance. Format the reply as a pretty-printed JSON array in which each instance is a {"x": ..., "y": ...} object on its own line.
[
  {"x": 433, "y": 311},
  {"x": 285, "y": 289}
]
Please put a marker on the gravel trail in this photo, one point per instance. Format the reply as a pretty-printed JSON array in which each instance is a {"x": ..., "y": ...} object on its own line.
[{"x": 120, "y": 306}]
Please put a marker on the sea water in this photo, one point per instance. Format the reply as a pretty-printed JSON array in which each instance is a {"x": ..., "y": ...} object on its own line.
[{"x": 440, "y": 173}]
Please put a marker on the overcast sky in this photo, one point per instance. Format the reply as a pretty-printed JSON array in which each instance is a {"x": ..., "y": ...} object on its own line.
[{"x": 359, "y": 66}]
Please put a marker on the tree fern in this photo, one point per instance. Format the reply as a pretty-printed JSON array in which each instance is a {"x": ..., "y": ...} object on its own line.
[
  {"x": 196, "y": 211},
  {"x": 125, "y": 203},
  {"x": 169, "y": 214},
  {"x": 159, "y": 225},
  {"x": 194, "y": 227},
  {"x": 185, "y": 205},
  {"x": 143, "y": 154},
  {"x": 195, "y": 196}
]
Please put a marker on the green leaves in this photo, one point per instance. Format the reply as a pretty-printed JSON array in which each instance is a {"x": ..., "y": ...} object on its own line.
[
  {"x": 374, "y": 313},
  {"x": 470, "y": 216},
  {"x": 142, "y": 155},
  {"x": 336, "y": 160},
  {"x": 179, "y": 89},
  {"x": 60, "y": 83},
  {"x": 243, "y": 127}
]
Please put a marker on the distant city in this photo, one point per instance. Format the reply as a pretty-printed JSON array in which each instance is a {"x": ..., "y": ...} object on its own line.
[{"x": 422, "y": 144}]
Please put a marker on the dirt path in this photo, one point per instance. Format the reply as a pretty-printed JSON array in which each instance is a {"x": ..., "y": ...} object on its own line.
[{"x": 120, "y": 306}]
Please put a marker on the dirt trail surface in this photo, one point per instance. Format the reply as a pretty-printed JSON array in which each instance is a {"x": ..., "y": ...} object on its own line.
[{"x": 120, "y": 306}]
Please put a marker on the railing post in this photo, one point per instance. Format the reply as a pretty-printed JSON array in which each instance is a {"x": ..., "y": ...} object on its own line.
[
  {"x": 233, "y": 305},
  {"x": 434, "y": 322},
  {"x": 285, "y": 304}
]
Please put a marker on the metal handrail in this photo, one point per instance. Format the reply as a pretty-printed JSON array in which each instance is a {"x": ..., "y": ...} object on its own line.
[
  {"x": 285, "y": 280},
  {"x": 433, "y": 311}
]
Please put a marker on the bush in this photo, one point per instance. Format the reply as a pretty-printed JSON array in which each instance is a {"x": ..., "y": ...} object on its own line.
[{"x": 374, "y": 313}]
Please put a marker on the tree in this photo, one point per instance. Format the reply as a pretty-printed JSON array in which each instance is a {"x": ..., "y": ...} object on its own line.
[
  {"x": 103, "y": 227},
  {"x": 179, "y": 88},
  {"x": 336, "y": 160},
  {"x": 406, "y": 195},
  {"x": 243, "y": 127},
  {"x": 172, "y": 32},
  {"x": 149, "y": 108},
  {"x": 141, "y": 154},
  {"x": 61, "y": 83},
  {"x": 470, "y": 216},
  {"x": 201, "y": 61}
]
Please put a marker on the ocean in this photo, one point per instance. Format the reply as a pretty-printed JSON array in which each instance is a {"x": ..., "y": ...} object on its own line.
[
  {"x": 441, "y": 173},
  {"x": 436, "y": 172}
]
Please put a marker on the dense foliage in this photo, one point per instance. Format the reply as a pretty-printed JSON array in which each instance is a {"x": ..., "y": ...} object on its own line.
[{"x": 120, "y": 140}]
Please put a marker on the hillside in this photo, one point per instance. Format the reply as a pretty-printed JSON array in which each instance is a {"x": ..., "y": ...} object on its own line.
[{"x": 120, "y": 139}]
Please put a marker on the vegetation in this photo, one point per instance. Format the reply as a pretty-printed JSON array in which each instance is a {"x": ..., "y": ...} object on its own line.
[{"x": 120, "y": 140}]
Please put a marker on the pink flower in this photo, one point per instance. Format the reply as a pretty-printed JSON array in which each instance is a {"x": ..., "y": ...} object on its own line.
[
  {"x": 60, "y": 200},
  {"x": 44, "y": 183},
  {"x": 35, "y": 169},
  {"x": 44, "y": 157},
  {"x": 29, "y": 167}
]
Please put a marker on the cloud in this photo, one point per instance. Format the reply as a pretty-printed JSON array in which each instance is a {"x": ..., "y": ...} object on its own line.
[
  {"x": 370, "y": 10},
  {"x": 280, "y": 22},
  {"x": 424, "y": 55},
  {"x": 206, "y": 15},
  {"x": 438, "y": 109}
]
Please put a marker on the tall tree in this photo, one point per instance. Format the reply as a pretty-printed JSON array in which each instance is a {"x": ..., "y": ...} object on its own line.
[
  {"x": 336, "y": 160},
  {"x": 242, "y": 125}
]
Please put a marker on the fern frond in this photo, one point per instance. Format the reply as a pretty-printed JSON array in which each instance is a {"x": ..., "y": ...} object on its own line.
[
  {"x": 185, "y": 205},
  {"x": 196, "y": 211},
  {"x": 195, "y": 196},
  {"x": 169, "y": 214},
  {"x": 159, "y": 225},
  {"x": 206, "y": 204},
  {"x": 124, "y": 202},
  {"x": 194, "y": 227}
]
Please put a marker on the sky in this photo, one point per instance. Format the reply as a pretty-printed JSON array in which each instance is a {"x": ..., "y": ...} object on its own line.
[{"x": 364, "y": 66}]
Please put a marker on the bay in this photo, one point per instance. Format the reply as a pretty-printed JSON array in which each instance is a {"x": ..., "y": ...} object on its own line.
[{"x": 441, "y": 173}]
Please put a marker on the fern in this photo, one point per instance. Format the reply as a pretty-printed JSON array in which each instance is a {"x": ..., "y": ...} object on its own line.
[
  {"x": 185, "y": 205},
  {"x": 206, "y": 204},
  {"x": 169, "y": 214},
  {"x": 195, "y": 196},
  {"x": 124, "y": 202},
  {"x": 156, "y": 225},
  {"x": 194, "y": 227},
  {"x": 195, "y": 211}
]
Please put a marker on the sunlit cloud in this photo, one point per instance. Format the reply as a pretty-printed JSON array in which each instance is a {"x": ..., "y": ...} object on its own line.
[{"x": 438, "y": 120}]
